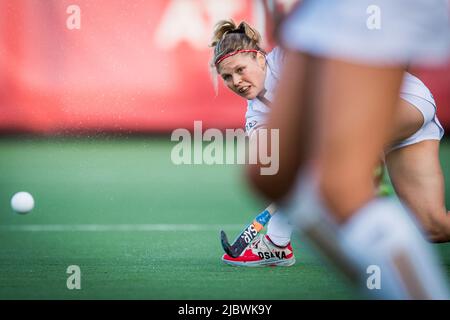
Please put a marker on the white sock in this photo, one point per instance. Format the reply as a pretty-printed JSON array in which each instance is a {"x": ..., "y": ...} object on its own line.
[
  {"x": 383, "y": 237},
  {"x": 279, "y": 229},
  {"x": 372, "y": 237},
  {"x": 309, "y": 215}
]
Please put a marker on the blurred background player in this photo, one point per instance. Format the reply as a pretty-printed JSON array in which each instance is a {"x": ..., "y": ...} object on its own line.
[
  {"x": 335, "y": 107},
  {"x": 412, "y": 158}
]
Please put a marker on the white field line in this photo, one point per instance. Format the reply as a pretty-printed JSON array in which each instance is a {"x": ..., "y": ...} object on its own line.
[{"x": 119, "y": 227}]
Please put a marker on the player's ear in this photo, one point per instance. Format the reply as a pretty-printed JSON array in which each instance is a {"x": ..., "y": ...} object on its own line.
[{"x": 261, "y": 60}]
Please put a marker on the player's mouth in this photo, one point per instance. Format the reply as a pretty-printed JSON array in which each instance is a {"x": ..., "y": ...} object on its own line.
[{"x": 244, "y": 90}]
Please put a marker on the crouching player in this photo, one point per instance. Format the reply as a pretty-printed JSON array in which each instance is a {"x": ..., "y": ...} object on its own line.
[
  {"x": 412, "y": 158},
  {"x": 248, "y": 72}
]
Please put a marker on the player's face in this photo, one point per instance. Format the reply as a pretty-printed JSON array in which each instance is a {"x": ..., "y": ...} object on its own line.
[{"x": 244, "y": 74}]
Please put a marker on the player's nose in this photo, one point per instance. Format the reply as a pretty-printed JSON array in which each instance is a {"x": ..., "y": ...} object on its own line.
[{"x": 236, "y": 80}]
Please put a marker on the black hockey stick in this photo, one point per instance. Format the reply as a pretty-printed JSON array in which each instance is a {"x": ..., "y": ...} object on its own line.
[{"x": 248, "y": 234}]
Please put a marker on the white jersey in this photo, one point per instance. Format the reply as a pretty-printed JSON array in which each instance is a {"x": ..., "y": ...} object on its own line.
[
  {"x": 413, "y": 90},
  {"x": 257, "y": 110}
]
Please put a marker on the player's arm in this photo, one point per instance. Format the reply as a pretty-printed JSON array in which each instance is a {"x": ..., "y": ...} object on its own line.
[{"x": 253, "y": 124}]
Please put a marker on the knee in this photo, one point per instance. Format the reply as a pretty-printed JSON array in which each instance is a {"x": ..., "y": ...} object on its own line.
[{"x": 434, "y": 228}]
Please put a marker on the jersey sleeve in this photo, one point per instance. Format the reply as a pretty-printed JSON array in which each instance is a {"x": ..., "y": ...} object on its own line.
[
  {"x": 253, "y": 123},
  {"x": 275, "y": 60},
  {"x": 254, "y": 119}
]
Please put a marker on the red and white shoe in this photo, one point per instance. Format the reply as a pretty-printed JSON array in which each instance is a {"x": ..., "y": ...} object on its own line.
[{"x": 262, "y": 252}]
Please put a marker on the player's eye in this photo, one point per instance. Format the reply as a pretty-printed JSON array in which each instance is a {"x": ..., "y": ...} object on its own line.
[
  {"x": 226, "y": 77},
  {"x": 240, "y": 70}
]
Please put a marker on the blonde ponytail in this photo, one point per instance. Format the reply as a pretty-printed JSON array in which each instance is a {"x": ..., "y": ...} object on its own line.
[{"x": 227, "y": 37}]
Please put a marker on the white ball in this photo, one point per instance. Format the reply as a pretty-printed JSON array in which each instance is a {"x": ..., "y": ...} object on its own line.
[{"x": 22, "y": 202}]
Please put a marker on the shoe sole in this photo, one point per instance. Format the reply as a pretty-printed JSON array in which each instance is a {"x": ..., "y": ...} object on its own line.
[{"x": 265, "y": 263}]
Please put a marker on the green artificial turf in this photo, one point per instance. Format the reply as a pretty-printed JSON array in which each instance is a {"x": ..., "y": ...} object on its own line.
[{"x": 132, "y": 182}]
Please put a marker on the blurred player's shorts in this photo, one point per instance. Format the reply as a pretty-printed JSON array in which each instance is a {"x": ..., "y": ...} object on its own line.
[{"x": 371, "y": 31}]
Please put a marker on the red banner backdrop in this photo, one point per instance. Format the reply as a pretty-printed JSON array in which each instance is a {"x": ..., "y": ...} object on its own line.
[{"x": 124, "y": 65}]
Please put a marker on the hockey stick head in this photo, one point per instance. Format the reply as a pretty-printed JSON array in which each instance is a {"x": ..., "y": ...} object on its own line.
[{"x": 226, "y": 244}]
